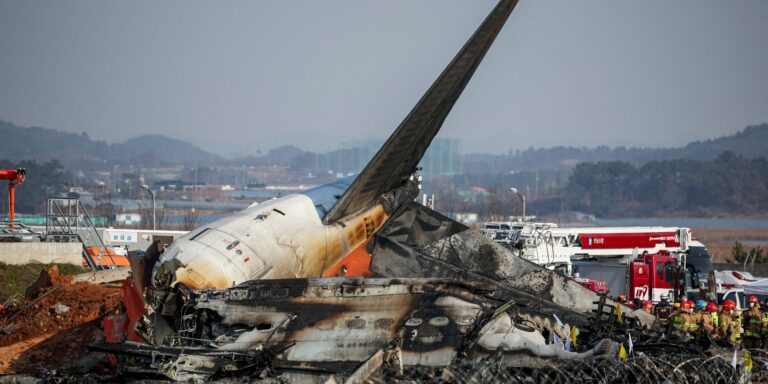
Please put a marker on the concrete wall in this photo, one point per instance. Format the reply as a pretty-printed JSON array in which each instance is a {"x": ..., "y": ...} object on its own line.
[{"x": 25, "y": 253}]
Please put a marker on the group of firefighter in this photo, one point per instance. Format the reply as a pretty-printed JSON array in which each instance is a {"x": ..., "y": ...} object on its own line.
[{"x": 723, "y": 324}]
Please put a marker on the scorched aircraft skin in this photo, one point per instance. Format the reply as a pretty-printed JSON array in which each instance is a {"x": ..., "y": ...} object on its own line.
[
  {"x": 243, "y": 293},
  {"x": 302, "y": 235}
]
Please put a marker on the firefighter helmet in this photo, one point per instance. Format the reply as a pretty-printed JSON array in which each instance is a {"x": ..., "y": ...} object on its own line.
[
  {"x": 753, "y": 299},
  {"x": 711, "y": 307},
  {"x": 690, "y": 304},
  {"x": 701, "y": 304},
  {"x": 728, "y": 305}
]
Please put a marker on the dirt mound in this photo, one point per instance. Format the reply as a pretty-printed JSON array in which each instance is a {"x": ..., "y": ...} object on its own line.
[
  {"x": 49, "y": 277},
  {"x": 57, "y": 308},
  {"x": 67, "y": 348}
]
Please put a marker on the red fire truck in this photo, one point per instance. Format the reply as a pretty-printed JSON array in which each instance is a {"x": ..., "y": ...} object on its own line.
[
  {"x": 651, "y": 276},
  {"x": 649, "y": 262},
  {"x": 640, "y": 262},
  {"x": 614, "y": 257}
]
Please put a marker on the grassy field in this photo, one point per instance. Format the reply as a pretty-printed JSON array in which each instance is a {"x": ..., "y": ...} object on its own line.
[
  {"x": 720, "y": 241},
  {"x": 14, "y": 279}
]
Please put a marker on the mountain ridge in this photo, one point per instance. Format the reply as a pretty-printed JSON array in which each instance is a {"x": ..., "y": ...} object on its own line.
[{"x": 79, "y": 151}]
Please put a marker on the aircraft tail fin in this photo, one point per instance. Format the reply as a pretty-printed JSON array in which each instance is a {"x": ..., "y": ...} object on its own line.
[{"x": 398, "y": 158}]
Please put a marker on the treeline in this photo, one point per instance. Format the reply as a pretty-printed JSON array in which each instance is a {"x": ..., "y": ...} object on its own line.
[
  {"x": 750, "y": 142},
  {"x": 729, "y": 184}
]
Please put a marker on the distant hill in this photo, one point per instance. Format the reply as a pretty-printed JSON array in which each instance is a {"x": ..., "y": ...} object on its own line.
[
  {"x": 158, "y": 149},
  {"x": 43, "y": 144},
  {"x": 78, "y": 151},
  {"x": 750, "y": 142},
  {"x": 282, "y": 156}
]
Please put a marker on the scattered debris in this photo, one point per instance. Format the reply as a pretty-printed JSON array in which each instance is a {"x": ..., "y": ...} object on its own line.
[
  {"x": 58, "y": 309},
  {"x": 30, "y": 330},
  {"x": 104, "y": 275},
  {"x": 49, "y": 277},
  {"x": 86, "y": 302},
  {"x": 447, "y": 305}
]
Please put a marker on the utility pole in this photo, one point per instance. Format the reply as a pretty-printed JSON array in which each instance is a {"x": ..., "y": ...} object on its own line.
[
  {"x": 522, "y": 197},
  {"x": 154, "y": 210}
]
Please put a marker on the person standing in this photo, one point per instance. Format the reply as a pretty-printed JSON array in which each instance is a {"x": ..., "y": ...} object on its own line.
[
  {"x": 648, "y": 307},
  {"x": 675, "y": 320},
  {"x": 729, "y": 325},
  {"x": 663, "y": 310},
  {"x": 752, "y": 321},
  {"x": 694, "y": 318},
  {"x": 710, "y": 319},
  {"x": 765, "y": 323},
  {"x": 683, "y": 323}
]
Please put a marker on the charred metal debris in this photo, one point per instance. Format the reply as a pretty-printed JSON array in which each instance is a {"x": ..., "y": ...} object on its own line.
[
  {"x": 384, "y": 330},
  {"x": 446, "y": 305}
]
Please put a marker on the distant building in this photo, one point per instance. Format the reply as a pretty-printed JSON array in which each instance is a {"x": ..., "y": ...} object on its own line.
[
  {"x": 128, "y": 219},
  {"x": 442, "y": 158},
  {"x": 349, "y": 160},
  {"x": 176, "y": 185}
]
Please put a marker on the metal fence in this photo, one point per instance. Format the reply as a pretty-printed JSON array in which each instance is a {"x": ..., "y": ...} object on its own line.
[{"x": 755, "y": 269}]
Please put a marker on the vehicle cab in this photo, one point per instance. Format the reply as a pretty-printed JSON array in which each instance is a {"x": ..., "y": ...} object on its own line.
[{"x": 654, "y": 275}]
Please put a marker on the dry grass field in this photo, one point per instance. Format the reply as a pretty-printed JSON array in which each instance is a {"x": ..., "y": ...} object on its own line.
[{"x": 720, "y": 241}]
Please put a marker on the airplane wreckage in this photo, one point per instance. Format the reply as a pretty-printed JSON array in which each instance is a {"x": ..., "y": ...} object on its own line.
[{"x": 244, "y": 298}]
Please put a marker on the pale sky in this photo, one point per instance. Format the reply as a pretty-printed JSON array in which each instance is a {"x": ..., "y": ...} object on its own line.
[{"x": 237, "y": 76}]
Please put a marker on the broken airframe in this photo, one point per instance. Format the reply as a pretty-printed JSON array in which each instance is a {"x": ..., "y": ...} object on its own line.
[{"x": 242, "y": 297}]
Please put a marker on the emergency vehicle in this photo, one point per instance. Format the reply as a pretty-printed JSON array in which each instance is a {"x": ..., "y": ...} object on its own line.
[
  {"x": 654, "y": 275},
  {"x": 621, "y": 257}
]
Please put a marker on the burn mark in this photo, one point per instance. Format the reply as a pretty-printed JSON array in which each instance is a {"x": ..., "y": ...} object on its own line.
[{"x": 324, "y": 313}]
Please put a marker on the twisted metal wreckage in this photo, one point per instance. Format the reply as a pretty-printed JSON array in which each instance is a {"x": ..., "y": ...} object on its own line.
[{"x": 240, "y": 299}]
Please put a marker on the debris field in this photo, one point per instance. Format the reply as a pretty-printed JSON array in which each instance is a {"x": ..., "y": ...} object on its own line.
[{"x": 53, "y": 324}]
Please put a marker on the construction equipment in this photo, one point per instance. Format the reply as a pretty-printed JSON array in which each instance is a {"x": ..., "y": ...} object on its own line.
[{"x": 14, "y": 177}]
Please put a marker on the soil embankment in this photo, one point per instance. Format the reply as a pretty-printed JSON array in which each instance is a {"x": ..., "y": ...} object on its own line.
[{"x": 53, "y": 324}]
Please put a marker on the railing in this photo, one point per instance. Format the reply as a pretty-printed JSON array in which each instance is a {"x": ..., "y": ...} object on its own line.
[
  {"x": 757, "y": 269},
  {"x": 15, "y": 230},
  {"x": 61, "y": 216},
  {"x": 68, "y": 216}
]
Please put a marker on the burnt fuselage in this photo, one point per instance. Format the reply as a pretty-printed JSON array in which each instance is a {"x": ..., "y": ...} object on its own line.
[{"x": 337, "y": 320}]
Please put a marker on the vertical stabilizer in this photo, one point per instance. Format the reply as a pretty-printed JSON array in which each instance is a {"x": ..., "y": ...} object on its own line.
[{"x": 398, "y": 158}]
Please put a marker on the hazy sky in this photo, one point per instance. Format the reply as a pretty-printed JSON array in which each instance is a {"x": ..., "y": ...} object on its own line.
[{"x": 240, "y": 76}]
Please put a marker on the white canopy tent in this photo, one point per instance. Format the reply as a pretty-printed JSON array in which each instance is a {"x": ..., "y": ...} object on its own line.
[{"x": 759, "y": 287}]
